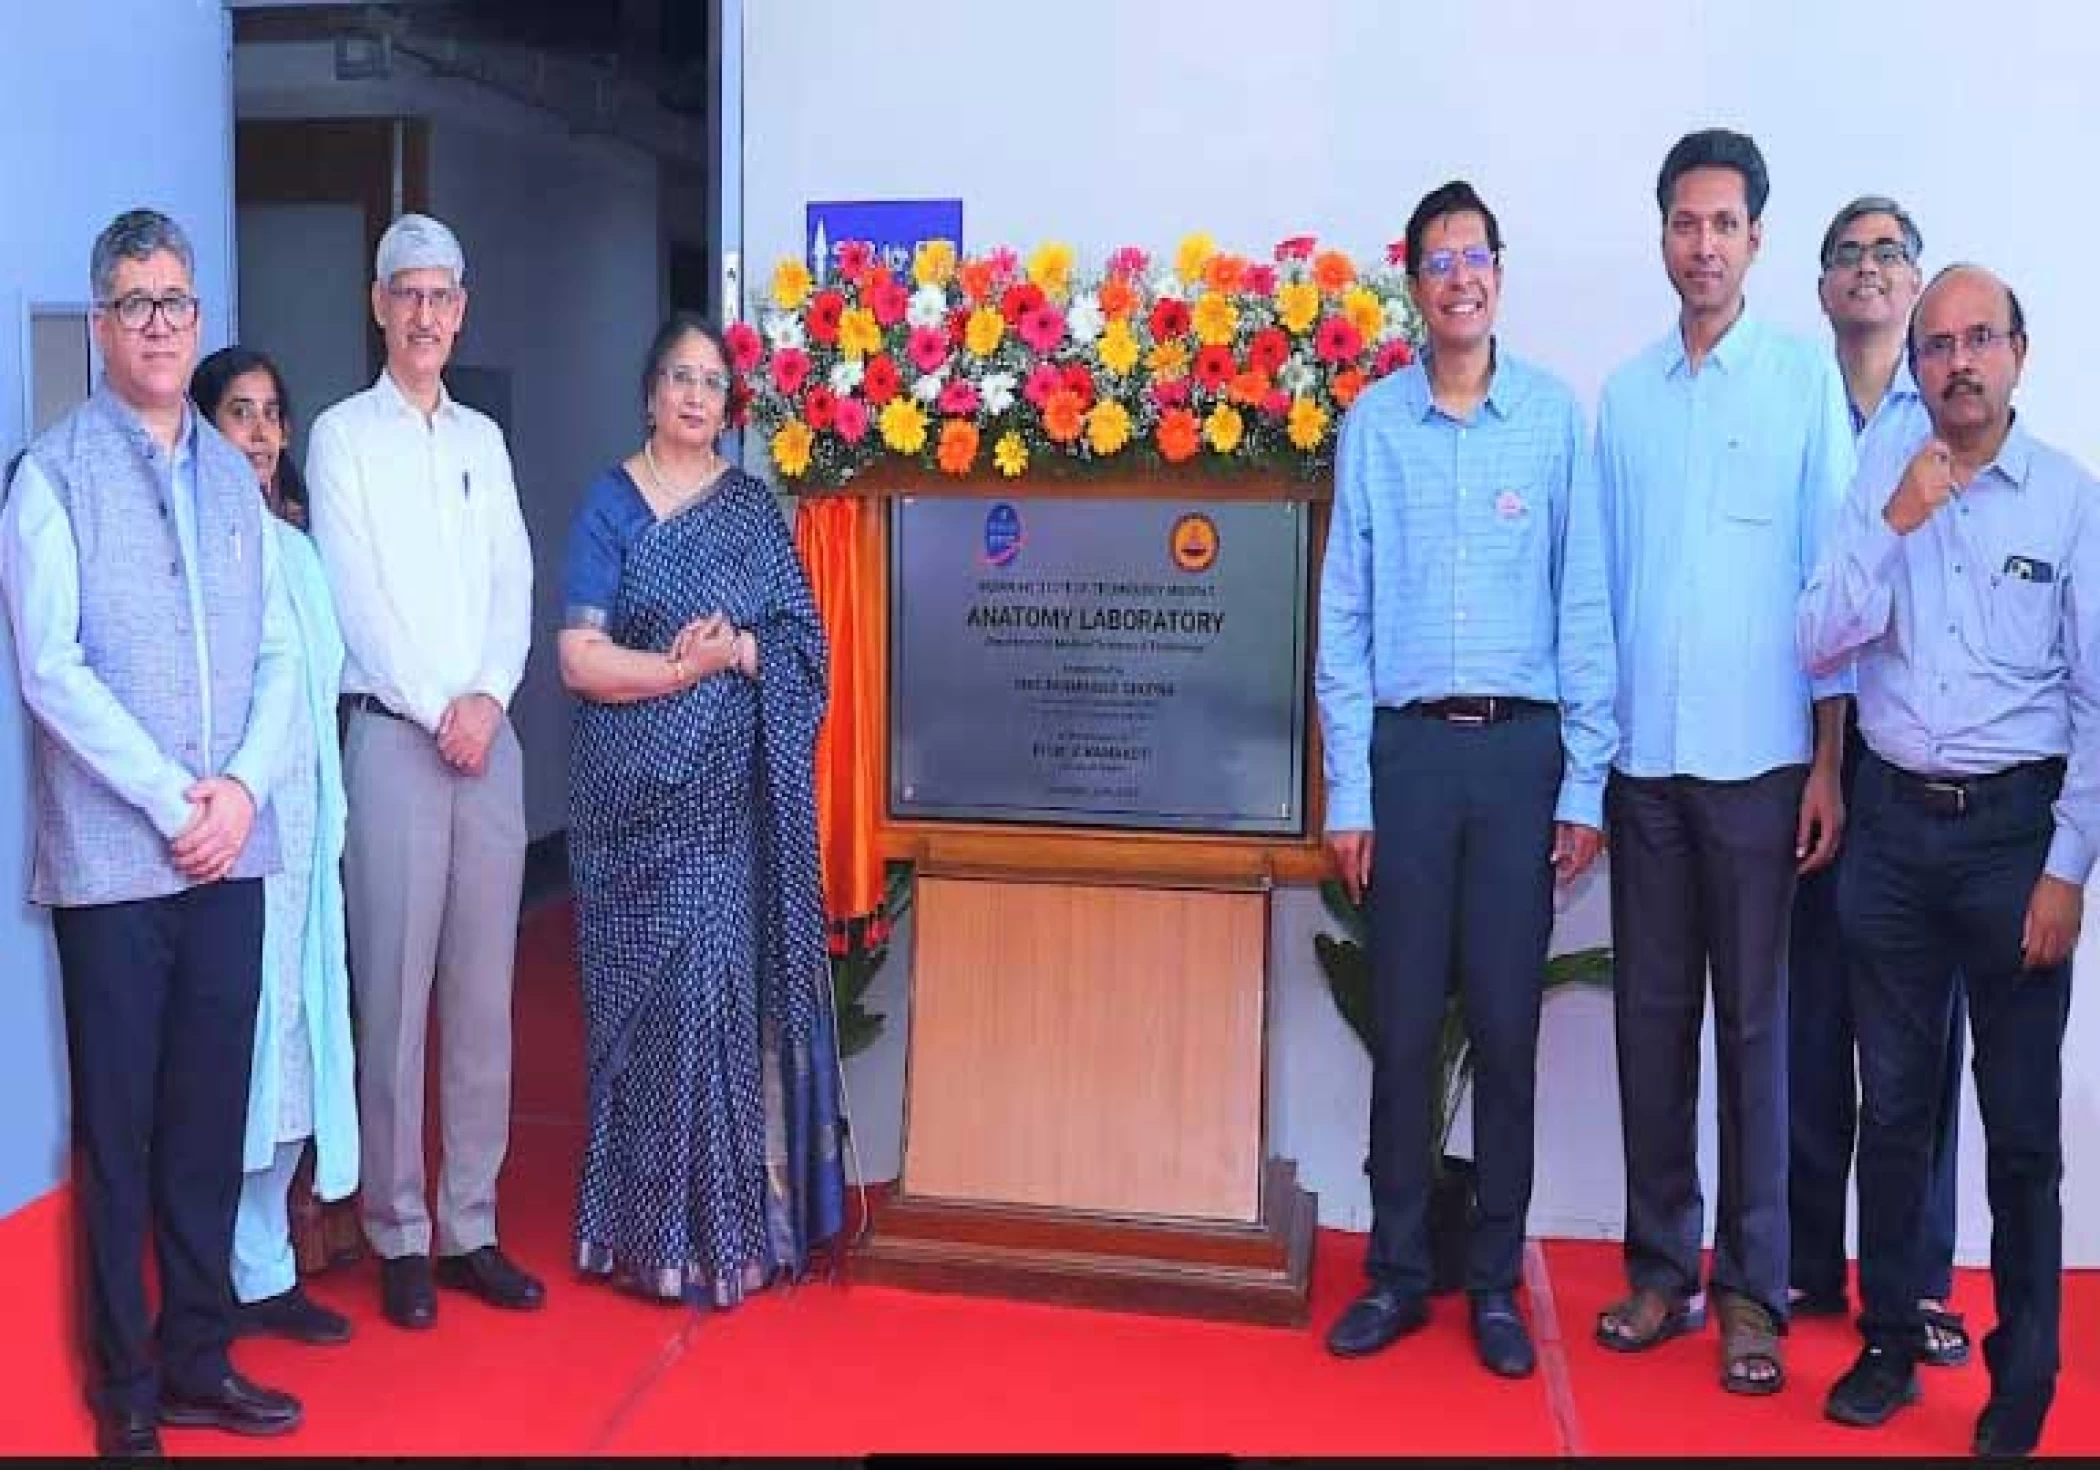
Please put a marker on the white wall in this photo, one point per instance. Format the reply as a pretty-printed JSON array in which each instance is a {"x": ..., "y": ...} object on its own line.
[
  {"x": 564, "y": 279},
  {"x": 111, "y": 104},
  {"x": 1103, "y": 123}
]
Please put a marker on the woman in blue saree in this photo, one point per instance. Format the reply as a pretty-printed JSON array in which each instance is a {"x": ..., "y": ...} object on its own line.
[{"x": 712, "y": 1163}]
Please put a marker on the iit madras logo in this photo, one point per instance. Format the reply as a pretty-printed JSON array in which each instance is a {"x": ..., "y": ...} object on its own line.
[
  {"x": 1193, "y": 543},
  {"x": 1002, "y": 535}
]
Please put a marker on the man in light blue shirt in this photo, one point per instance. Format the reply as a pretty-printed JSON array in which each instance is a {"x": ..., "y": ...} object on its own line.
[
  {"x": 1964, "y": 577},
  {"x": 1722, "y": 452},
  {"x": 1465, "y": 686}
]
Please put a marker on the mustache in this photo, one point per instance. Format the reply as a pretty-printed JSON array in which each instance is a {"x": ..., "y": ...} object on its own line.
[{"x": 1963, "y": 383}]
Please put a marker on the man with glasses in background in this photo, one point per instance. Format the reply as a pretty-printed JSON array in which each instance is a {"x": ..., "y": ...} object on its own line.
[
  {"x": 159, "y": 662},
  {"x": 1964, "y": 580},
  {"x": 416, "y": 516},
  {"x": 1465, "y": 682},
  {"x": 1869, "y": 284}
]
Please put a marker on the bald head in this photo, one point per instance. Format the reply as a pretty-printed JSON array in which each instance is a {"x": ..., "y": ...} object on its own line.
[{"x": 1968, "y": 342}]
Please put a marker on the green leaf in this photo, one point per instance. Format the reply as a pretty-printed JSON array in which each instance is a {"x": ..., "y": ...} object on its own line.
[{"x": 1580, "y": 967}]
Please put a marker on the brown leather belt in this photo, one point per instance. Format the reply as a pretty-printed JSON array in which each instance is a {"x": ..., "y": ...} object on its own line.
[
  {"x": 371, "y": 706},
  {"x": 1476, "y": 709},
  {"x": 1955, "y": 796}
]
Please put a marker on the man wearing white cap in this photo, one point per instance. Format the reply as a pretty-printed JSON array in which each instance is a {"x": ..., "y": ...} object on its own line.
[{"x": 416, "y": 516}]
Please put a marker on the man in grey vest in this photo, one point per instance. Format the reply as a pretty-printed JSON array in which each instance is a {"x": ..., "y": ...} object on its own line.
[
  {"x": 159, "y": 664},
  {"x": 416, "y": 516}
]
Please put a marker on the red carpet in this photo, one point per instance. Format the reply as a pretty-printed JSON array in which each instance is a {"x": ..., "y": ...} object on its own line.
[{"x": 851, "y": 1370}]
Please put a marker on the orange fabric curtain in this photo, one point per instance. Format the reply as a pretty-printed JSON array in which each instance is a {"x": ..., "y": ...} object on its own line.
[{"x": 837, "y": 539}]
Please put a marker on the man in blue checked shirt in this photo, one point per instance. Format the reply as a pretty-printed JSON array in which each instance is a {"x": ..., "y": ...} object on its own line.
[
  {"x": 1722, "y": 453},
  {"x": 1963, "y": 578},
  {"x": 1465, "y": 680}
]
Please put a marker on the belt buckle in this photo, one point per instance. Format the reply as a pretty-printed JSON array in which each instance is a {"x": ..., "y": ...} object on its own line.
[
  {"x": 1472, "y": 717},
  {"x": 1955, "y": 789}
]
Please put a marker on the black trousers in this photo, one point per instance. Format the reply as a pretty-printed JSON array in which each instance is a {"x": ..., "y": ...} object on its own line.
[
  {"x": 1702, "y": 876},
  {"x": 1823, "y": 1096},
  {"x": 1929, "y": 901},
  {"x": 1462, "y": 884},
  {"x": 160, "y": 1032}
]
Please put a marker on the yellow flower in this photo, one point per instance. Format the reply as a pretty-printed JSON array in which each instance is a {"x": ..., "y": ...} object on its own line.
[
  {"x": 859, "y": 333},
  {"x": 1169, "y": 360},
  {"x": 1365, "y": 312},
  {"x": 1010, "y": 454},
  {"x": 1119, "y": 348},
  {"x": 934, "y": 263},
  {"x": 1216, "y": 319},
  {"x": 1298, "y": 306},
  {"x": 791, "y": 447},
  {"x": 1107, "y": 426},
  {"x": 903, "y": 426},
  {"x": 791, "y": 284},
  {"x": 1224, "y": 428},
  {"x": 1050, "y": 267},
  {"x": 984, "y": 331},
  {"x": 1192, "y": 255},
  {"x": 1307, "y": 423}
]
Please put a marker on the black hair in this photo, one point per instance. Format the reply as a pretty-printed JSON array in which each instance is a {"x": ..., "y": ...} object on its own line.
[
  {"x": 1716, "y": 148},
  {"x": 669, "y": 335},
  {"x": 1456, "y": 197},
  {"x": 208, "y": 388}
]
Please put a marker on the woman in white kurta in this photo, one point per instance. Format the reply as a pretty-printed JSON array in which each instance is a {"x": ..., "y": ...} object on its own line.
[{"x": 302, "y": 1084}]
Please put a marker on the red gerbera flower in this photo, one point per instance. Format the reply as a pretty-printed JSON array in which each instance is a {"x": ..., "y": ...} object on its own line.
[
  {"x": 855, "y": 256},
  {"x": 820, "y": 407},
  {"x": 825, "y": 309},
  {"x": 1298, "y": 247},
  {"x": 1021, "y": 300},
  {"x": 1338, "y": 340},
  {"x": 745, "y": 346},
  {"x": 1076, "y": 379},
  {"x": 880, "y": 382},
  {"x": 889, "y": 301},
  {"x": 1268, "y": 351},
  {"x": 1170, "y": 318},
  {"x": 1214, "y": 367}
]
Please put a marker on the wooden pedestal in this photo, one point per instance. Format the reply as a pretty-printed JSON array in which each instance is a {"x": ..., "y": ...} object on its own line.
[{"x": 1084, "y": 1101}]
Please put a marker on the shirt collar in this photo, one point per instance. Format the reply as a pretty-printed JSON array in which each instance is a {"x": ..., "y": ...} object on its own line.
[
  {"x": 1730, "y": 353},
  {"x": 1503, "y": 386},
  {"x": 396, "y": 401},
  {"x": 135, "y": 426},
  {"x": 2014, "y": 459}
]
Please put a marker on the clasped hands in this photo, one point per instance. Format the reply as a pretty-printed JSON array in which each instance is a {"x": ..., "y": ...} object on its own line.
[
  {"x": 709, "y": 645},
  {"x": 222, "y": 814}
]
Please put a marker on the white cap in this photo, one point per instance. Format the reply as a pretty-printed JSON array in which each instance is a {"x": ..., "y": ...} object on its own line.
[{"x": 417, "y": 242}]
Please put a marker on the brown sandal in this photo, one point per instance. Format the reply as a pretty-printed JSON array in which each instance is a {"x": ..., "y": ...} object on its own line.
[
  {"x": 1750, "y": 1354},
  {"x": 1645, "y": 1319}
]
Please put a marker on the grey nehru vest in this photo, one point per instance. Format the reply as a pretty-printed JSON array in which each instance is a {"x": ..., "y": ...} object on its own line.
[{"x": 136, "y": 633}]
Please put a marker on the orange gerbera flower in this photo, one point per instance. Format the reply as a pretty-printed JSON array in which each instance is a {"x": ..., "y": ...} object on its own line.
[
  {"x": 1224, "y": 272},
  {"x": 1347, "y": 384},
  {"x": 1249, "y": 386},
  {"x": 975, "y": 277},
  {"x": 1064, "y": 415},
  {"x": 1178, "y": 435},
  {"x": 958, "y": 449},
  {"x": 1118, "y": 298},
  {"x": 1332, "y": 272}
]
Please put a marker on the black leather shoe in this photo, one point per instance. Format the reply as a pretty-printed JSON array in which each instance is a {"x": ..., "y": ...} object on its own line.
[
  {"x": 1377, "y": 1319},
  {"x": 1878, "y": 1383},
  {"x": 490, "y": 1275},
  {"x": 2006, "y": 1430},
  {"x": 127, "y": 1434},
  {"x": 1499, "y": 1338},
  {"x": 234, "y": 1405},
  {"x": 295, "y": 1315},
  {"x": 405, "y": 1293}
]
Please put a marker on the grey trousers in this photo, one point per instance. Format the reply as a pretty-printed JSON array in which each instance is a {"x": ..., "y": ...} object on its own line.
[{"x": 434, "y": 866}]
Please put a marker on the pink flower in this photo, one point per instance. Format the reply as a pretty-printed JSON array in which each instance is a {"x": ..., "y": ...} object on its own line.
[
  {"x": 1170, "y": 393},
  {"x": 889, "y": 301},
  {"x": 1042, "y": 382},
  {"x": 1260, "y": 279},
  {"x": 1396, "y": 253},
  {"x": 1128, "y": 261},
  {"x": 1005, "y": 264},
  {"x": 1298, "y": 247},
  {"x": 850, "y": 419},
  {"x": 1043, "y": 328},
  {"x": 745, "y": 346},
  {"x": 1397, "y": 353},
  {"x": 1337, "y": 340},
  {"x": 790, "y": 369},
  {"x": 1275, "y": 403},
  {"x": 928, "y": 348},
  {"x": 855, "y": 256},
  {"x": 958, "y": 398}
]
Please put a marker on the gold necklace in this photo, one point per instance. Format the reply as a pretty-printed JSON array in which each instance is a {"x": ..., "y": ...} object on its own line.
[{"x": 664, "y": 484}]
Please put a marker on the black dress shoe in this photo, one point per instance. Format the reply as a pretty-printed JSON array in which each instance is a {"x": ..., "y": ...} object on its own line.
[
  {"x": 232, "y": 1404},
  {"x": 2006, "y": 1430},
  {"x": 127, "y": 1434},
  {"x": 405, "y": 1293},
  {"x": 1377, "y": 1319},
  {"x": 1499, "y": 1338},
  {"x": 490, "y": 1275},
  {"x": 1877, "y": 1384},
  {"x": 295, "y": 1315}
]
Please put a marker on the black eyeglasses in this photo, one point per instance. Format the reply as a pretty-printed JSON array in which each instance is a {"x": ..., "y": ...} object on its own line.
[
  {"x": 135, "y": 310},
  {"x": 1847, "y": 254},
  {"x": 1440, "y": 263}
]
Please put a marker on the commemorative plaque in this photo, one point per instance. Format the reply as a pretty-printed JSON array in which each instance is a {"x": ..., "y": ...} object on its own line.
[{"x": 1132, "y": 664}]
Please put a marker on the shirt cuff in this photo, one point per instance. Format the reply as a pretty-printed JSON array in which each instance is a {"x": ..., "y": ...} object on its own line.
[
  {"x": 1348, "y": 811},
  {"x": 1581, "y": 802},
  {"x": 2070, "y": 858},
  {"x": 170, "y": 810},
  {"x": 242, "y": 768}
]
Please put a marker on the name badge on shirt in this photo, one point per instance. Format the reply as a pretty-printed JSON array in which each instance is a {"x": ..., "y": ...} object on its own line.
[
  {"x": 2027, "y": 569},
  {"x": 1510, "y": 506}
]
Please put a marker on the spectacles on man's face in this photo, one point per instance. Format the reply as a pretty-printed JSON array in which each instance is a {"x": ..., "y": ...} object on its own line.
[
  {"x": 1978, "y": 339},
  {"x": 1847, "y": 254},
  {"x": 712, "y": 381},
  {"x": 135, "y": 309},
  {"x": 439, "y": 299},
  {"x": 1438, "y": 264}
]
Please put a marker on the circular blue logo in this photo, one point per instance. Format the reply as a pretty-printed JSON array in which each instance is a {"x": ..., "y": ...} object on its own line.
[{"x": 1002, "y": 535}]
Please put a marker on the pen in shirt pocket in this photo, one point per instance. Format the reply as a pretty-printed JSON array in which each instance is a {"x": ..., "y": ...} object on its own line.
[{"x": 466, "y": 484}]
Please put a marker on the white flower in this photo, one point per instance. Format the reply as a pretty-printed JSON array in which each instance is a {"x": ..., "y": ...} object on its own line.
[
  {"x": 1297, "y": 377},
  {"x": 997, "y": 391},
  {"x": 1168, "y": 287},
  {"x": 1396, "y": 318},
  {"x": 1085, "y": 320},
  {"x": 929, "y": 307},
  {"x": 783, "y": 330},
  {"x": 928, "y": 388},
  {"x": 846, "y": 375}
]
